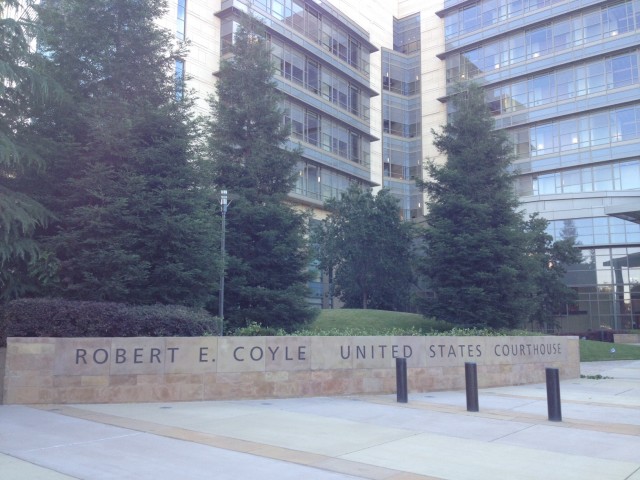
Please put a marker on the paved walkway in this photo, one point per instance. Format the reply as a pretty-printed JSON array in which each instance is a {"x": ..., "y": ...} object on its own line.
[{"x": 431, "y": 437}]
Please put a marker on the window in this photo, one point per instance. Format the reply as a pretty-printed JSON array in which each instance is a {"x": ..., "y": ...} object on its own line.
[
  {"x": 313, "y": 76},
  {"x": 568, "y": 134},
  {"x": 599, "y": 128},
  {"x": 179, "y": 79},
  {"x": 622, "y": 70},
  {"x": 624, "y": 124},
  {"x": 565, "y": 84},
  {"x": 312, "y": 128},
  {"x": 562, "y": 35},
  {"x": 541, "y": 90},
  {"x": 538, "y": 42},
  {"x": 471, "y": 18},
  {"x": 451, "y": 24},
  {"x": 519, "y": 96},
  {"x": 592, "y": 26},
  {"x": 181, "y": 19},
  {"x": 542, "y": 137},
  {"x": 617, "y": 19}
]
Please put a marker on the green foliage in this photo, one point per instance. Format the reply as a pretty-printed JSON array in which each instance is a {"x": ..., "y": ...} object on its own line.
[
  {"x": 23, "y": 88},
  {"x": 265, "y": 241},
  {"x": 550, "y": 262},
  {"x": 133, "y": 221},
  {"x": 476, "y": 261},
  {"x": 44, "y": 317},
  {"x": 367, "y": 247},
  {"x": 255, "y": 329},
  {"x": 345, "y": 321}
]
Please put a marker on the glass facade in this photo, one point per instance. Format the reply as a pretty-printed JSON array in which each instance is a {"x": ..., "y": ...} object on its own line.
[
  {"x": 563, "y": 82},
  {"x": 555, "y": 37},
  {"x": 402, "y": 116},
  {"x": 326, "y": 103}
]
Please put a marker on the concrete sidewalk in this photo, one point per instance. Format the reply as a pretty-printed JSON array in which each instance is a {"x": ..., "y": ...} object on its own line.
[{"x": 431, "y": 437}]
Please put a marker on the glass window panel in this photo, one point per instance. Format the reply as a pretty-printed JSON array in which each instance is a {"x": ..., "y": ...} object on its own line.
[
  {"x": 491, "y": 53},
  {"x": 277, "y": 9},
  {"x": 541, "y": 89},
  {"x": 538, "y": 42},
  {"x": 603, "y": 178},
  {"x": 562, "y": 35},
  {"x": 471, "y": 63},
  {"x": 571, "y": 182},
  {"x": 297, "y": 67},
  {"x": 622, "y": 70},
  {"x": 494, "y": 100},
  {"x": 297, "y": 15},
  {"x": 592, "y": 26},
  {"x": 596, "y": 78},
  {"x": 623, "y": 124},
  {"x": 630, "y": 175},
  {"x": 297, "y": 122},
  {"x": 514, "y": 7},
  {"x": 517, "y": 50},
  {"x": 489, "y": 12},
  {"x": 587, "y": 180},
  {"x": 584, "y": 132},
  {"x": 470, "y": 18},
  {"x": 522, "y": 142},
  {"x": 568, "y": 133},
  {"x": 599, "y": 131},
  {"x": 312, "y": 128},
  {"x": 542, "y": 139},
  {"x": 313, "y": 76},
  {"x": 519, "y": 96},
  {"x": 312, "y": 24},
  {"x": 618, "y": 19},
  {"x": 565, "y": 84},
  {"x": 451, "y": 25},
  {"x": 546, "y": 184}
]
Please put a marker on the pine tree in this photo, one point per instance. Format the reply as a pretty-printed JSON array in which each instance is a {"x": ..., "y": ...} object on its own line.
[
  {"x": 551, "y": 260},
  {"x": 23, "y": 88},
  {"x": 134, "y": 223},
  {"x": 267, "y": 252},
  {"x": 476, "y": 260},
  {"x": 367, "y": 247}
]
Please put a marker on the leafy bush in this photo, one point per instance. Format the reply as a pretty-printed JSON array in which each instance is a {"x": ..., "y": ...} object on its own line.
[
  {"x": 44, "y": 317},
  {"x": 255, "y": 329}
]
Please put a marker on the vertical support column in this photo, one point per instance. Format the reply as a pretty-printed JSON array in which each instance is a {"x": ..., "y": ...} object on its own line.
[
  {"x": 401, "y": 380},
  {"x": 471, "y": 382},
  {"x": 553, "y": 395}
]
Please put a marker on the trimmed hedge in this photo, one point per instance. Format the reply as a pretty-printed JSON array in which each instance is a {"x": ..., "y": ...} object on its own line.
[{"x": 52, "y": 317}]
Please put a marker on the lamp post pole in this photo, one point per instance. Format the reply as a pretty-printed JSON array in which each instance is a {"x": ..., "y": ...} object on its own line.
[{"x": 223, "y": 208}]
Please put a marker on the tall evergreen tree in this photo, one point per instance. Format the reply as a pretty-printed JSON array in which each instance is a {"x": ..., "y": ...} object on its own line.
[
  {"x": 23, "y": 88},
  {"x": 133, "y": 221},
  {"x": 367, "y": 247},
  {"x": 551, "y": 259},
  {"x": 476, "y": 258},
  {"x": 267, "y": 252}
]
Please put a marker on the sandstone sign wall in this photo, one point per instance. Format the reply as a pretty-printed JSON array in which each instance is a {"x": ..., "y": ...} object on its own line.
[{"x": 102, "y": 370}]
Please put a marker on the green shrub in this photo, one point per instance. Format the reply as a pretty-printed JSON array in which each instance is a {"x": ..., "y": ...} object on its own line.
[{"x": 51, "y": 317}]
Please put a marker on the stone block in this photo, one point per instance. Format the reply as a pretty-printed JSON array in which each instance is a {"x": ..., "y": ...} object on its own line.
[
  {"x": 288, "y": 353},
  {"x": 191, "y": 355},
  {"x": 82, "y": 356}
]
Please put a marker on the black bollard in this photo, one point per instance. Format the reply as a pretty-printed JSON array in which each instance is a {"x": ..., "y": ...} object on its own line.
[
  {"x": 471, "y": 380},
  {"x": 553, "y": 395},
  {"x": 401, "y": 380}
]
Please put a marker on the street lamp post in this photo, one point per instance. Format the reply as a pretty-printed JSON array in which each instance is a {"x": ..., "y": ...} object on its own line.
[{"x": 223, "y": 208}]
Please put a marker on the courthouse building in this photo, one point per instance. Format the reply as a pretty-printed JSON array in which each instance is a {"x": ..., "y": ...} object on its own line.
[{"x": 365, "y": 82}]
